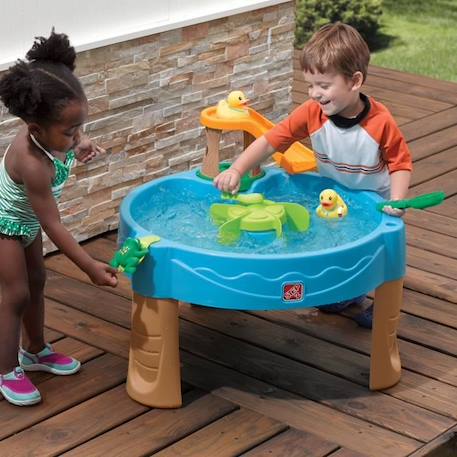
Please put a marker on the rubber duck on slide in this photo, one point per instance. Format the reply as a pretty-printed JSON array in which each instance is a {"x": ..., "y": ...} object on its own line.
[
  {"x": 332, "y": 205},
  {"x": 234, "y": 107}
]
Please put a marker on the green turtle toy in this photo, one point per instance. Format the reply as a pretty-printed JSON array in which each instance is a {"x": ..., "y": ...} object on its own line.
[{"x": 131, "y": 253}]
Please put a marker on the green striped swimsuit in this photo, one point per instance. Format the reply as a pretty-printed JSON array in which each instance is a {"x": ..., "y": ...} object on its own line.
[{"x": 17, "y": 217}]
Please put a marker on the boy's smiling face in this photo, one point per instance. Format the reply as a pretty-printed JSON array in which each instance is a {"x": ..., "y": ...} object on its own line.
[{"x": 335, "y": 93}]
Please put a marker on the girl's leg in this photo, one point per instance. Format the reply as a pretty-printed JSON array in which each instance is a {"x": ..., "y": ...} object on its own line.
[
  {"x": 35, "y": 354},
  {"x": 33, "y": 319},
  {"x": 14, "y": 299}
]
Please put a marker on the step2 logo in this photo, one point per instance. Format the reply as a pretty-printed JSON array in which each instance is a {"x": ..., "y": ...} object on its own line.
[{"x": 293, "y": 291}]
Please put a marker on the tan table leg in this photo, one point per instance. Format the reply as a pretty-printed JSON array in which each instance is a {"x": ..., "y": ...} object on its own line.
[
  {"x": 154, "y": 377},
  {"x": 210, "y": 165},
  {"x": 385, "y": 366},
  {"x": 247, "y": 140}
]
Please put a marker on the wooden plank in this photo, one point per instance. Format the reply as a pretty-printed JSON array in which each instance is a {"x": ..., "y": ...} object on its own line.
[
  {"x": 346, "y": 333},
  {"x": 352, "y": 365},
  {"x": 95, "y": 331},
  {"x": 430, "y": 92},
  {"x": 430, "y": 221},
  {"x": 293, "y": 443},
  {"x": 61, "y": 264},
  {"x": 314, "y": 384},
  {"x": 428, "y": 333},
  {"x": 433, "y": 143},
  {"x": 426, "y": 240},
  {"x": 413, "y": 78},
  {"x": 156, "y": 429},
  {"x": 51, "y": 335},
  {"x": 431, "y": 124},
  {"x": 62, "y": 392},
  {"x": 414, "y": 388},
  {"x": 88, "y": 298},
  {"x": 345, "y": 453},
  {"x": 112, "y": 235},
  {"x": 431, "y": 284},
  {"x": 296, "y": 411},
  {"x": 443, "y": 446},
  {"x": 101, "y": 248},
  {"x": 432, "y": 262},
  {"x": 74, "y": 426},
  {"x": 430, "y": 308},
  {"x": 434, "y": 166},
  {"x": 227, "y": 437},
  {"x": 445, "y": 183}
]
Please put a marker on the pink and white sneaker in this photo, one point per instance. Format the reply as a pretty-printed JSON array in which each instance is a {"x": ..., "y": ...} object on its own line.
[
  {"x": 49, "y": 361},
  {"x": 17, "y": 388}
]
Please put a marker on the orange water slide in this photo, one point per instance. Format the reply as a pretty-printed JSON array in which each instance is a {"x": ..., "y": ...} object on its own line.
[{"x": 297, "y": 159}]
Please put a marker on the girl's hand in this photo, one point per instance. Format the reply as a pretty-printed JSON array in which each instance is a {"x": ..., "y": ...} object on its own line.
[
  {"x": 396, "y": 212},
  {"x": 86, "y": 150},
  {"x": 101, "y": 274},
  {"x": 228, "y": 181}
]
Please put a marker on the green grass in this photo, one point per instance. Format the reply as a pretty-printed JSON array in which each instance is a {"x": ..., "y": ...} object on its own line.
[{"x": 419, "y": 36}]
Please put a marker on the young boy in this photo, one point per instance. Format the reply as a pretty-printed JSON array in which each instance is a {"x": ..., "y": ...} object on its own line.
[{"x": 355, "y": 139}]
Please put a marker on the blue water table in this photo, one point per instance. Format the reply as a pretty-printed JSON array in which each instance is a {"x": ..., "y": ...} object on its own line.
[{"x": 275, "y": 270}]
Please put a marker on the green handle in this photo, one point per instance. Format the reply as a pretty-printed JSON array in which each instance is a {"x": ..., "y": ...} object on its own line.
[{"x": 419, "y": 202}]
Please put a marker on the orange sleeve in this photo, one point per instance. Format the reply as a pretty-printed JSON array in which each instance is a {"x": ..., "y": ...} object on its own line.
[
  {"x": 394, "y": 149},
  {"x": 382, "y": 127},
  {"x": 292, "y": 128}
]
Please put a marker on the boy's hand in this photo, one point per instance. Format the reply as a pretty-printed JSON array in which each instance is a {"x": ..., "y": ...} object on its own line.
[
  {"x": 228, "y": 181},
  {"x": 102, "y": 274},
  {"x": 396, "y": 212},
  {"x": 86, "y": 150}
]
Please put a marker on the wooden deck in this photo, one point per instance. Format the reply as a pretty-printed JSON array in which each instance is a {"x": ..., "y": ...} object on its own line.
[{"x": 283, "y": 384}]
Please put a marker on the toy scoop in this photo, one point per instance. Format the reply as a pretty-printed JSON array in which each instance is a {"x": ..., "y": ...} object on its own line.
[
  {"x": 331, "y": 206},
  {"x": 132, "y": 253},
  {"x": 254, "y": 213},
  {"x": 420, "y": 202}
]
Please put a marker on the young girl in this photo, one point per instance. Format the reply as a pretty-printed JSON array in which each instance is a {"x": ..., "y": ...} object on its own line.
[{"x": 46, "y": 95}]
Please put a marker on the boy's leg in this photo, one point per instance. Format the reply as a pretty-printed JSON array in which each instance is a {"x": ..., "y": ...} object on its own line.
[
  {"x": 36, "y": 354},
  {"x": 336, "y": 308}
]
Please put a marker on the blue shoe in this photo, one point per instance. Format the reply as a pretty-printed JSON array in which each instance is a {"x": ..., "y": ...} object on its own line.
[
  {"x": 336, "y": 308},
  {"x": 365, "y": 318}
]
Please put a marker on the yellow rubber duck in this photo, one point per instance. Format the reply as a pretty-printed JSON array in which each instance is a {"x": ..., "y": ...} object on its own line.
[
  {"x": 234, "y": 107},
  {"x": 332, "y": 205}
]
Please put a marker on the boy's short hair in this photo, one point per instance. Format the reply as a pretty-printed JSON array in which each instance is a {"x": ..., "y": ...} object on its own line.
[{"x": 336, "y": 48}]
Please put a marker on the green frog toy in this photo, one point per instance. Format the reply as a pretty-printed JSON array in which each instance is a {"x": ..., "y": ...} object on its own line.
[{"x": 131, "y": 253}]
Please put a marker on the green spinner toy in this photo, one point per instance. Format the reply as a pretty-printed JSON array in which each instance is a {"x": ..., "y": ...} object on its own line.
[{"x": 254, "y": 213}]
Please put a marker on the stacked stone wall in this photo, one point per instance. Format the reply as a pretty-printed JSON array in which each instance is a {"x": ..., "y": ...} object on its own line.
[{"x": 145, "y": 97}]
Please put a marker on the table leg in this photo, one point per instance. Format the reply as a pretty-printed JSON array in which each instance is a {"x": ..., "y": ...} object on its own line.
[
  {"x": 247, "y": 140},
  {"x": 385, "y": 366},
  {"x": 210, "y": 165},
  {"x": 154, "y": 377}
]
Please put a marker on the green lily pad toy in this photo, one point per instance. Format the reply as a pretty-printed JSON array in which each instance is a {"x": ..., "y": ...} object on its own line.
[
  {"x": 131, "y": 253},
  {"x": 254, "y": 213}
]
